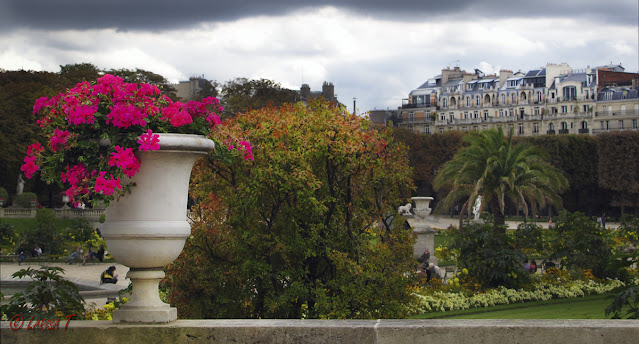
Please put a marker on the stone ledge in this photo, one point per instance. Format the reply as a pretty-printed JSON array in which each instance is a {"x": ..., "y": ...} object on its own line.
[{"x": 335, "y": 331}]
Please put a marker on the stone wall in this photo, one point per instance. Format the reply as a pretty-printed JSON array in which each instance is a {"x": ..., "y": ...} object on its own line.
[{"x": 335, "y": 331}]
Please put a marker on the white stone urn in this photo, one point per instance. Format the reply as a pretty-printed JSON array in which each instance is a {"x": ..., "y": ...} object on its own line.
[
  {"x": 422, "y": 206},
  {"x": 146, "y": 229}
]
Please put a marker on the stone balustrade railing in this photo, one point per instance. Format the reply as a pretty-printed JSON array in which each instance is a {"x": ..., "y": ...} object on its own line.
[{"x": 65, "y": 213}]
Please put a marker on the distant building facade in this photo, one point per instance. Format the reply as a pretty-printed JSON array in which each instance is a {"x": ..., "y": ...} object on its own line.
[
  {"x": 188, "y": 90},
  {"x": 555, "y": 99},
  {"x": 328, "y": 93}
]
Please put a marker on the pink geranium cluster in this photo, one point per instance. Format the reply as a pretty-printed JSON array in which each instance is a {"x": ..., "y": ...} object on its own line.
[
  {"x": 94, "y": 131},
  {"x": 243, "y": 147}
]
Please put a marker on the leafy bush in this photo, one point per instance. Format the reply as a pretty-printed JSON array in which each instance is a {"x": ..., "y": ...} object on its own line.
[
  {"x": 79, "y": 230},
  {"x": 489, "y": 256},
  {"x": 24, "y": 200},
  {"x": 48, "y": 295},
  {"x": 627, "y": 298},
  {"x": 44, "y": 235},
  {"x": 8, "y": 235},
  {"x": 4, "y": 195},
  {"x": 581, "y": 243}
]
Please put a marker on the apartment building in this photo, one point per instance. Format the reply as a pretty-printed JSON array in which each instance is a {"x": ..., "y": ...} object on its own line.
[{"x": 555, "y": 99}]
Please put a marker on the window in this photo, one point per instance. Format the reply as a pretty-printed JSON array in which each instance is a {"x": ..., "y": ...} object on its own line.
[
  {"x": 465, "y": 114},
  {"x": 441, "y": 130},
  {"x": 607, "y": 125},
  {"x": 584, "y": 125},
  {"x": 503, "y": 99},
  {"x": 585, "y": 108},
  {"x": 551, "y": 126},
  {"x": 451, "y": 116},
  {"x": 602, "y": 125},
  {"x": 634, "y": 124},
  {"x": 520, "y": 131},
  {"x": 564, "y": 125},
  {"x": 564, "y": 109},
  {"x": 539, "y": 96},
  {"x": 484, "y": 127},
  {"x": 513, "y": 98},
  {"x": 464, "y": 129},
  {"x": 442, "y": 116},
  {"x": 467, "y": 101},
  {"x": 553, "y": 110},
  {"x": 485, "y": 114},
  {"x": 445, "y": 103},
  {"x": 501, "y": 113},
  {"x": 535, "y": 128},
  {"x": 411, "y": 116},
  {"x": 477, "y": 100},
  {"x": 427, "y": 129},
  {"x": 511, "y": 112},
  {"x": 476, "y": 128},
  {"x": 552, "y": 95},
  {"x": 569, "y": 93},
  {"x": 620, "y": 124},
  {"x": 475, "y": 114},
  {"x": 536, "y": 110}
]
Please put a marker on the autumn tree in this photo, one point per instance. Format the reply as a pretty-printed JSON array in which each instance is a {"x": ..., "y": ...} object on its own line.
[{"x": 303, "y": 231}]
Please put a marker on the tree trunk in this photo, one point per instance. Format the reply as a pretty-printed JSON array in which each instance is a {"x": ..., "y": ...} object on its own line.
[{"x": 499, "y": 218}]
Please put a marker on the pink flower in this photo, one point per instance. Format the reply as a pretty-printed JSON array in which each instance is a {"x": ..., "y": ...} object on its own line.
[
  {"x": 176, "y": 114},
  {"x": 213, "y": 119},
  {"x": 35, "y": 149},
  {"x": 124, "y": 159},
  {"x": 149, "y": 141},
  {"x": 40, "y": 102},
  {"x": 82, "y": 114},
  {"x": 125, "y": 115},
  {"x": 29, "y": 167},
  {"x": 59, "y": 139},
  {"x": 74, "y": 175},
  {"x": 247, "y": 150},
  {"x": 107, "y": 186}
]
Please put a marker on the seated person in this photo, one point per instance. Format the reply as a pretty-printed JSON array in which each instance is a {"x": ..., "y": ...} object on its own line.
[
  {"x": 22, "y": 254},
  {"x": 76, "y": 255},
  {"x": 37, "y": 252},
  {"x": 89, "y": 255},
  {"x": 424, "y": 269},
  {"x": 109, "y": 276}
]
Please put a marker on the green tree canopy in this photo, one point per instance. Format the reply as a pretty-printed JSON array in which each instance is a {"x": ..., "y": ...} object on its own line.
[
  {"x": 242, "y": 94},
  {"x": 496, "y": 169},
  {"x": 304, "y": 230}
]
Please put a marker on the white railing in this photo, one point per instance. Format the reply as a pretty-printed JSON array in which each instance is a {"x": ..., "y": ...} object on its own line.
[{"x": 68, "y": 213}]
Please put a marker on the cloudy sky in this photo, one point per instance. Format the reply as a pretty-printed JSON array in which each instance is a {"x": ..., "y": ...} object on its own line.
[{"x": 376, "y": 51}]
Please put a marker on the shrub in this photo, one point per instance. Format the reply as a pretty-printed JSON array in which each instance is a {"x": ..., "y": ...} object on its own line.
[
  {"x": 48, "y": 295},
  {"x": 79, "y": 230},
  {"x": 489, "y": 256},
  {"x": 8, "y": 235},
  {"x": 4, "y": 195},
  {"x": 44, "y": 235},
  {"x": 24, "y": 200},
  {"x": 581, "y": 243}
]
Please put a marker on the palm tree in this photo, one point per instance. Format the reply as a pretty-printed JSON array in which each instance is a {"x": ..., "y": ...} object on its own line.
[{"x": 499, "y": 171}]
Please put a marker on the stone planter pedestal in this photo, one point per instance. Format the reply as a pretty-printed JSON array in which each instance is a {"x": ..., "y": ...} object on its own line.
[{"x": 146, "y": 229}]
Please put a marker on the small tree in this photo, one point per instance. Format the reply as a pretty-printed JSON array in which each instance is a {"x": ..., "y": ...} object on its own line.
[
  {"x": 25, "y": 200},
  {"x": 304, "y": 230}
]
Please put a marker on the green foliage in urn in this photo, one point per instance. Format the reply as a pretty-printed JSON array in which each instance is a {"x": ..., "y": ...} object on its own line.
[
  {"x": 303, "y": 231},
  {"x": 25, "y": 199}
]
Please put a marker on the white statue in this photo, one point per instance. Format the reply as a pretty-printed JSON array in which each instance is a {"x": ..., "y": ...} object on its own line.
[
  {"x": 404, "y": 209},
  {"x": 20, "y": 186},
  {"x": 477, "y": 208}
]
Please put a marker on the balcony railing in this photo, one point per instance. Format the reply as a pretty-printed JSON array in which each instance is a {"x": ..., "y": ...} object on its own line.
[
  {"x": 584, "y": 131},
  {"x": 550, "y": 132},
  {"x": 563, "y": 131},
  {"x": 418, "y": 105}
]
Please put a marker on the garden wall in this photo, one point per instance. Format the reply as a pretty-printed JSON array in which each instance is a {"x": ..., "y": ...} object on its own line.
[{"x": 335, "y": 331}]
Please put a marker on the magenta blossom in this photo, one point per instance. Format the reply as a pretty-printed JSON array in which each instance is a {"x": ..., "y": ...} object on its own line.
[
  {"x": 29, "y": 167},
  {"x": 107, "y": 186},
  {"x": 124, "y": 159},
  {"x": 149, "y": 141},
  {"x": 59, "y": 139},
  {"x": 35, "y": 149}
]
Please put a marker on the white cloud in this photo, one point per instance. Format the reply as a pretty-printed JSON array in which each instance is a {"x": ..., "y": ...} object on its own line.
[{"x": 377, "y": 61}]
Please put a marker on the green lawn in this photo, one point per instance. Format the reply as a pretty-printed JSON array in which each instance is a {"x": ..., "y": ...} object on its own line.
[{"x": 589, "y": 307}]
